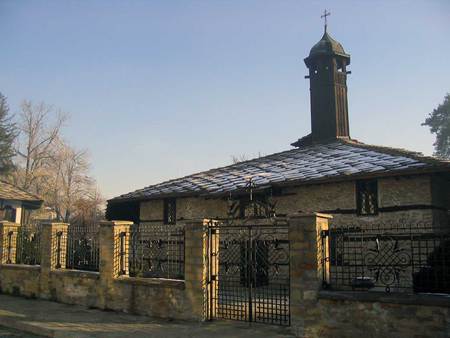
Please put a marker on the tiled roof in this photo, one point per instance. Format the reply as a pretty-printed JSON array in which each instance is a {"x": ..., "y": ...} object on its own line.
[
  {"x": 314, "y": 163},
  {"x": 11, "y": 192}
]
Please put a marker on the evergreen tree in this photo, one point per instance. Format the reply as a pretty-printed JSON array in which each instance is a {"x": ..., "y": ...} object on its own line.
[
  {"x": 7, "y": 137},
  {"x": 439, "y": 123}
]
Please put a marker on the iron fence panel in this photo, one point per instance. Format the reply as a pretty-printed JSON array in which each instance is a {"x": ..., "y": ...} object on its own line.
[
  {"x": 28, "y": 248},
  {"x": 380, "y": 257},
  {"x": 155, "y": 251},
  {"x": 250, "y": 278},
  {"x": 82, "y": 247}
]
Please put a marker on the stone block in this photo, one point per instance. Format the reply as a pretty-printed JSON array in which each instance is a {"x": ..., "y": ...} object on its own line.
[{"x": 310, "y": 295}]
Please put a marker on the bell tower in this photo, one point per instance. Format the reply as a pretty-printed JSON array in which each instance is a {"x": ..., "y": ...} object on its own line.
[{"x": 327, "y": 64}]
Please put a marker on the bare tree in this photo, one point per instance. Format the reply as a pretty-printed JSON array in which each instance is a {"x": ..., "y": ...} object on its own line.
[
  {"x": 39, "y": 128},
  {"x": 240, "y": 158},
  {"x": 69, "y": 178},
  {"x": 53, "y": 169},
  {"x": 88, "y": 209},
  {"x": 243, "y": 157}
]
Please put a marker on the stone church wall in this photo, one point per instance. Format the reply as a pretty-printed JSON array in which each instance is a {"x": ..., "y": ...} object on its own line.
[{"x": 410, "y": 199}]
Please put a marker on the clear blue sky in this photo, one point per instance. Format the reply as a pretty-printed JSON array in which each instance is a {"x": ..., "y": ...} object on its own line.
[{"x": 160, "y": 89}]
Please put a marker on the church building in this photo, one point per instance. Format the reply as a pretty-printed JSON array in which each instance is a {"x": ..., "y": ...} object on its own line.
[{"x": 326, "y": 171}]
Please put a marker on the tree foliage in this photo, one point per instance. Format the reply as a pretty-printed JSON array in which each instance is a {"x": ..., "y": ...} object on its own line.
[
  {"x": 439, "y": 123},
  {"x": 7, "y": 137}
]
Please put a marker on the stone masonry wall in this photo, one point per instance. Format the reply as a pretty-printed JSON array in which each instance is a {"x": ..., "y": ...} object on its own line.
[
  {"x": 337, "y": 199},
  {"x": 188, "y": 208},
  {"x": 20, "y": 280},
  {"x": 156, "y": 297},
  {"x": 315, "y": 313},
  {"x": 74, "y": 287},
  {"x": 350, "y": 314},
  {"x": 350, "y": 318},
  {"x": 160, "y": 299}
]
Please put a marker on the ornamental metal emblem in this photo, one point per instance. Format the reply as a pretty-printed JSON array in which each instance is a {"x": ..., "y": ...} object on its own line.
[
  {"x": 254, "y": 206},
  {"x": 386, "y": 260}
]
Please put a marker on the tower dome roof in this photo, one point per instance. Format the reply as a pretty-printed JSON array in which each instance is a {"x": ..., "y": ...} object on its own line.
[{"x": 327, "y": 46}]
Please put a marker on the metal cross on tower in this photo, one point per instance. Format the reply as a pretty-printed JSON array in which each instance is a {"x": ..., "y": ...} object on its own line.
[{"x": 324, "y": 16}]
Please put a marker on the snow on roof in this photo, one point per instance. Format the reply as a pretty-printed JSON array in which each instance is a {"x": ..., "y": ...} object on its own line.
[{"x": 308, "y": 164}]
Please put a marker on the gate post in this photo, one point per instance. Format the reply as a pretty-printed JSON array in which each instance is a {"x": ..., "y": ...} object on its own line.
[
  {"x": 8, "y": 242},
  {"x": 306, "y": 268},
  {"x": 196, "y": 267},
  {"x": 53, "y": 254},
  {"x": 113, "y": 261}
]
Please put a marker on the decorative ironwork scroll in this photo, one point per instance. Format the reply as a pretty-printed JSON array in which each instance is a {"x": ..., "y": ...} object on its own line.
[
  {"x": 251, "y": 206},
  {"x": 386, "y": 260},
  {"x": 401, "y": 257},
  {"x": 252, "y": 280},
  {"x": 157, "y": 251}
]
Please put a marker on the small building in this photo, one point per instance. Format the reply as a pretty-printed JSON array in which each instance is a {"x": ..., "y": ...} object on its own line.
[
  {"x": 326, "y": 171},
  {"x": 16, "y": 203}
]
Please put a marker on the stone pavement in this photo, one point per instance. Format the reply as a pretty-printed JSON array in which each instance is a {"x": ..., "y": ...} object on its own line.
[
  {"x": 50, "y": 319},
  {"x": 6, "y": 332}
]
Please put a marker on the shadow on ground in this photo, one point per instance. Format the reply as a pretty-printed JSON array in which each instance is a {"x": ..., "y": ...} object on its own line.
[{"x": 60, "y": 320}]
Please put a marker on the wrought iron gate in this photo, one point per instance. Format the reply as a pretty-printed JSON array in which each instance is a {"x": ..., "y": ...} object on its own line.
[{"x": 249, "y": 273}]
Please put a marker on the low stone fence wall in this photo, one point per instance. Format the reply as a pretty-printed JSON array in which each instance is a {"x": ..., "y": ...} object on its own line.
[
  {"x": 347, "y": 314},
  {"x": 370, "y": 314},
  {"x": 20, "y": 280},
  {"x": 108, "y": 289},
  {"x": 313, "y": 312}
]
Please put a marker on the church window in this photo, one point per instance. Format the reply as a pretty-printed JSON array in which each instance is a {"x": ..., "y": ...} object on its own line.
[
  {"x": 170, "y": 211},
  {"x": 367, "y": 197}
]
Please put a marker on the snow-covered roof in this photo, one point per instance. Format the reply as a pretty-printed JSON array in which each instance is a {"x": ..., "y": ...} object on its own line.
[{"x": 308, "y": 164}]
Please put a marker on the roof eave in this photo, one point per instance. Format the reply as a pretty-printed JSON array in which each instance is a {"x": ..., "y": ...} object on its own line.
[{"x": 27, "y": 204}]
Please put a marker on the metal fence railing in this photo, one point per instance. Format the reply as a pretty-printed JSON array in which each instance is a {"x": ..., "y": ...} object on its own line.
[
  {"x": 28, "y": 245},
  {"x": 401, "y": 258},
  {"x": 155, "y": 251},
  {"x": 82, "y": 247}
]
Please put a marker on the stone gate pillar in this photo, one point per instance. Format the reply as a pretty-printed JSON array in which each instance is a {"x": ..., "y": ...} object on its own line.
[
  {"x": 196, "y": 267},
  {"x": 306, "y": 268},
  {"x": 53, "y": 245},
  {"x": 114, "y": 237},
  {"x": 8, "y": 242}
]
